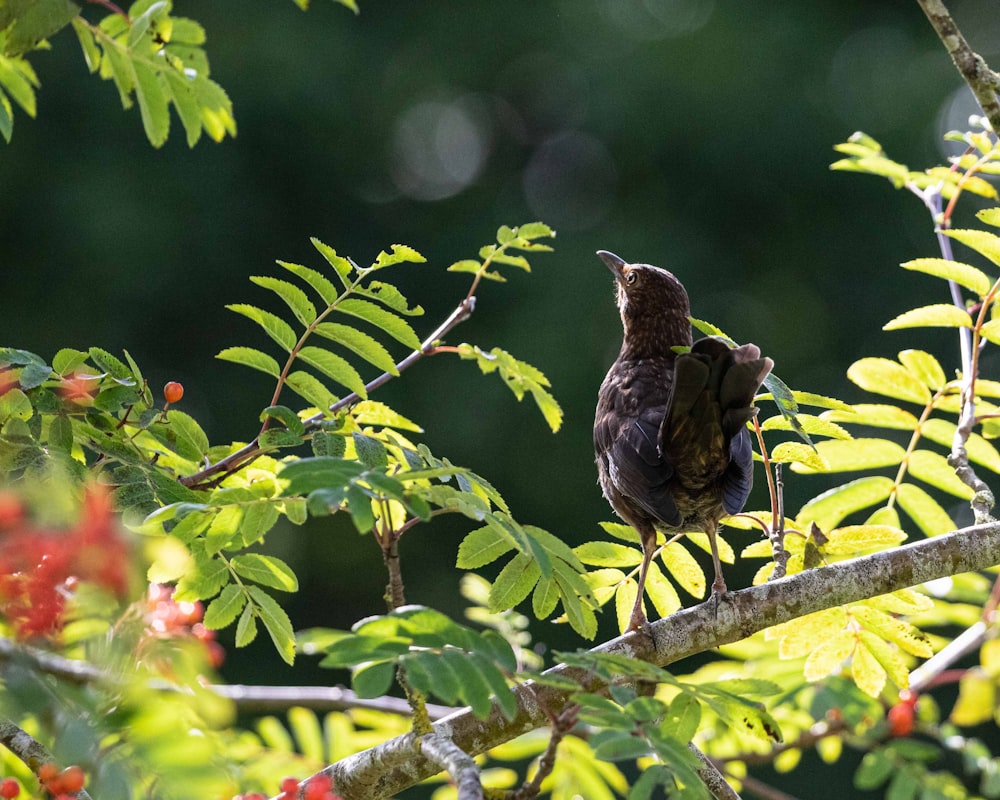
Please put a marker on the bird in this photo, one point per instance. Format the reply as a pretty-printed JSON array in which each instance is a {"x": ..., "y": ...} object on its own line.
[{"x": 671, "y": 442}]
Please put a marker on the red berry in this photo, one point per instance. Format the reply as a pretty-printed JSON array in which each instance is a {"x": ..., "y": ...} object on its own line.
[
  {"x": 901, "y": 718},
  {"x": 290, "y": 785},
  {"x": 9, "y": 788},
  {"x": 173, "y": 392},
  {"x": 71, "y": 780}
]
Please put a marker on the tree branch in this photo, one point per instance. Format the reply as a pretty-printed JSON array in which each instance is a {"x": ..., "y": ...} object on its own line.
[
  {"x": 983, "y": 81},
  {"x": 456, "y": 762},
  {"x": 397, "y": 764}
]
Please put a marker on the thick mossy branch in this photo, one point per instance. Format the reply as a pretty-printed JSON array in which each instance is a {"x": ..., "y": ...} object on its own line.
[{"x": 385, "y": 770}]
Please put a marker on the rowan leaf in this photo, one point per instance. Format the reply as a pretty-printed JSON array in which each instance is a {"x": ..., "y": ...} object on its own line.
[
  {"x": 963, "y": 274},
  {"x": 317, "y": 281},
  {"x": 359, "y": 342},
  {"x": 890, "y": 378},
  {"x": 391, "y": 323},
  {"x": 828, "y": 509},
  {"x": 937, "y": 315},
  {"x": 249, "y": 357},
  {"x": 265, "y": 570},
  {"x": 983, "y": 242},
  {"x": 933, "y": 468},
  {"x": 294, "y": 297},
  {"x": 335, "y": 367},
  {"x": 855, "y": 454}
]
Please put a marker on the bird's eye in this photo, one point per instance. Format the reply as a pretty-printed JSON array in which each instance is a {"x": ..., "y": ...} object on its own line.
[{"x": 631, "y": 278}]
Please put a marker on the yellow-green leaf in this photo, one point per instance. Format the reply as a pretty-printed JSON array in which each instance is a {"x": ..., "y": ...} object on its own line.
[
  {"x": 661, "y": 591},
  {"x": 963, "y": 274},
  {"x": 888, "y": 657},
  {"x": 684, "y": 569},
  {"x": 924, "y": 510},
  {"x": 608, "y": 554},
  {"x": 976, "y": 700},
  {"x": 936, "y": 315},
  {"x": 700, "y": 540},
  {"x": 829, "y": 508},
  {"x": 624, "y": 601},
  {"x": 867, "y": 672},
  {"x": 799, "y": 637},
  {"x": 830, "y": 656},
  {"x": 856, "y": 454},
  {"x": 893, "y": 629},
  {"x": 979, "y": 450},
  {"x": 798, "y": 453},
  {"x": 877, "y": 415},
  {"x": 820, "y": 426},
  {"x": 983, "y": 242},
  {"x": 933, "y": 468},
  {"x": 889, "y": 378},
  {"x": 857, "y": 539},
  {"x": 991, "y": 331},
  {"x": 924, "y": 366}
]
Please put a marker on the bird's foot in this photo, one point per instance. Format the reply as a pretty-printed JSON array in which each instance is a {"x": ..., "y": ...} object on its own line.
[
  {"x": 638, "y": 620},
  {"x": 719, "y": 591}
]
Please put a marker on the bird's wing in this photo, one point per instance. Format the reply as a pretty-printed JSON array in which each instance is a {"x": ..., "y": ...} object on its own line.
[{"x": 634, "y": 464}]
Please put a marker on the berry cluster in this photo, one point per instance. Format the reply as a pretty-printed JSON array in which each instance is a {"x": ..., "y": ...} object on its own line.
[
  {"x": 40, "y": 567},
  {"x": 61, "y": 785},
  {"x": 167, "y": 618},
  {"x": 319, "y": 787}
]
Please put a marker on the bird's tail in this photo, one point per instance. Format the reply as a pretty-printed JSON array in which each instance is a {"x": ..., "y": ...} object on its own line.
[{"x": 710, "y": 403}]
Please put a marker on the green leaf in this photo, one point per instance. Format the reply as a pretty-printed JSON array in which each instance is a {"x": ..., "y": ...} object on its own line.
[
  {"x": 16, "y": 78},
  {"x": 991, "y": 331},
  {"x": 249, "y": 357},
  {"x": 963, "y": 274},
  {"x": 684, "y": 569},
  {"x": 978, "y": 449},
  {"x": 276, "y": 622},
  {"x": 389, "y": 295},
  {"x": 186, "y": 436},
  {"x": 265, "y": 570},
  {"x": 335, "y": 367},
  {"x": 937, "y": 315},
  {"x": 886, "y": 377},
  {"x": 182, "y": 93},
  {"x": 877, "y": 766},
  {"x": 983, "y": 242},
  {"x": 323, "y": 287},
  {"x": 310, "y": 389},
  {"x": 342, "y": 266},
  {"x": 466, "y": 265},
  {"x": 482, "y": 546},
  {"x": 373, "y": 680},
  {"x": 322, "y": 472},
  {"x": 294, "y": 297},
  {"x": 514, "y": 583},
  {"x": 225, "y": 608},
  {"x": 371, "y": 452},
  {"x": 246, "y": 628},
  {"x": 810, "y": 424},
  {"x": 400, "y": 253},
  {"x": 35, "y": 22},
  {"x": 275, "y": 327},
  {"x": 152, "y": 103},
  {"x": 360, "y": 343},
  {"x": 391, "y": 323}
]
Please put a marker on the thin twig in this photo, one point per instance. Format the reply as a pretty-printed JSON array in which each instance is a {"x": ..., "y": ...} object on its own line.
[
  {"x": 561, "y": 725},
  {"x": 205, "y": 479},
  {"x": 983, "y": 81}
]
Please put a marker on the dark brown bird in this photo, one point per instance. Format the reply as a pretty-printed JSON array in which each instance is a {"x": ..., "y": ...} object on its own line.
[{"x": 670, "y": 436}]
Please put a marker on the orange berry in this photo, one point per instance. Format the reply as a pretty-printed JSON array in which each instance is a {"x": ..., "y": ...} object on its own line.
[
  {"x": 71, "y": 780},
  {"x": 173, "y": 392},
  {"x": 47, "y": 772}
]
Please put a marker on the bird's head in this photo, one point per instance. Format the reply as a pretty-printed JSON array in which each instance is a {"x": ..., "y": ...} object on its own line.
[{"x": 653, "y": 304}]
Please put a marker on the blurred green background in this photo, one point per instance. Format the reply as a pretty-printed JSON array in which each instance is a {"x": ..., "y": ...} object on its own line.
[{"x": 691, "y": 134}]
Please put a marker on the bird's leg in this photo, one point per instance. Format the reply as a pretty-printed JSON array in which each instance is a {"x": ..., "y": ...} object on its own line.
[
  {"x": 648, "y": 541},
  {"x": 719, "y": 584}
]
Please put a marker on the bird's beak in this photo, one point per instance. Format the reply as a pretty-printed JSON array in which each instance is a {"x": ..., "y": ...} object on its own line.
[{"x": 614, "y": 263}]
